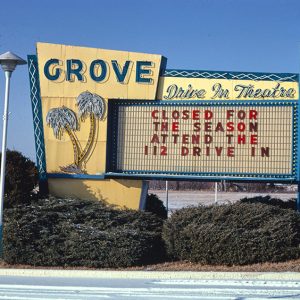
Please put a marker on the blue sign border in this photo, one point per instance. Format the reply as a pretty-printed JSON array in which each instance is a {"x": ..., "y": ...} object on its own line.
[
  {"x": 38, "y": 129},
  {"x": 278, "y": 77}
]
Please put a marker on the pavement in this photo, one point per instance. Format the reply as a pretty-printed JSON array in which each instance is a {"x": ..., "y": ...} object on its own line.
[
  {"x": 295, "y": 276},
  {"x": 29, "y": 284}
]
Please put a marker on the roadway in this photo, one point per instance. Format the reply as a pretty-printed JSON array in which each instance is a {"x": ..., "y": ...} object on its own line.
[{"x": 48, "y": 284}]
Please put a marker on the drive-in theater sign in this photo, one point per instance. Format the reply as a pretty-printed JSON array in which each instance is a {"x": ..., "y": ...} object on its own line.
[{"x": 106, "y": 120}]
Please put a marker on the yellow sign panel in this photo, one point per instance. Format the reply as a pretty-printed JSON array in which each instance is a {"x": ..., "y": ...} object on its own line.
[
  {"x": 189, "y": 88},
  {"x": 75, "y": 85},
  {"x": 193, "y": 139},
  {"x": 67, "y": 71}
]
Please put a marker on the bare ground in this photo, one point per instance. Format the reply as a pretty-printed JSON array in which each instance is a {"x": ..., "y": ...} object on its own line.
[{"x": 289, "y": 266}]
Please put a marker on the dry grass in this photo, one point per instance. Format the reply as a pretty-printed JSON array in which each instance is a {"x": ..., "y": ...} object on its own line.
[{"x": 289, "y": 266}]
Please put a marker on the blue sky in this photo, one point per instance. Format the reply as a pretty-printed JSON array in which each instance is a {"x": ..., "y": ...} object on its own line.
[{"x": 224, "y": 35}]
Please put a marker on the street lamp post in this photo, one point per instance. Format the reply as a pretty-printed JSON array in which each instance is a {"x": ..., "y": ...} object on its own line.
[{"x": 8, "y": 62}]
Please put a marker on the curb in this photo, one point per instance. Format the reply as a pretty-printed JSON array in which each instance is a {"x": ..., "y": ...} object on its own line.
[{"x": 151, "y": 274}]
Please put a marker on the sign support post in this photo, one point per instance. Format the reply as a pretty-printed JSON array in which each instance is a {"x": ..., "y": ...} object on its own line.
[
  {"x": 167, "y": 196},
  {"x": 216, "y": 192}
]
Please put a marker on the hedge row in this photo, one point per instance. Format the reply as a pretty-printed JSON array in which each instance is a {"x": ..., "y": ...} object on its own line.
[
  {"x": 70, "y": 232},
  {"x": 241, "y": 233}
]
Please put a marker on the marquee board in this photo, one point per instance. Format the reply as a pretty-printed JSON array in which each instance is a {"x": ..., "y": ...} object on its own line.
[{"x": 204, "y": 139}]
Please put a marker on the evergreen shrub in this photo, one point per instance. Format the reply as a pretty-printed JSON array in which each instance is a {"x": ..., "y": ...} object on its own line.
[
  {"x": 156, "y": 206},
  {"x": 236, "y": 234},
  {"x": 72, "y": 232},
  {"x": 288, "y": 204},
  {"x": 20, "y": 178}
]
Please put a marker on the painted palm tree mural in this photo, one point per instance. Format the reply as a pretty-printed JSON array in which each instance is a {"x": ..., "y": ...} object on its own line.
[
  {"x": 91, "y": 105},
  {"x": 64, "y": 119}
]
